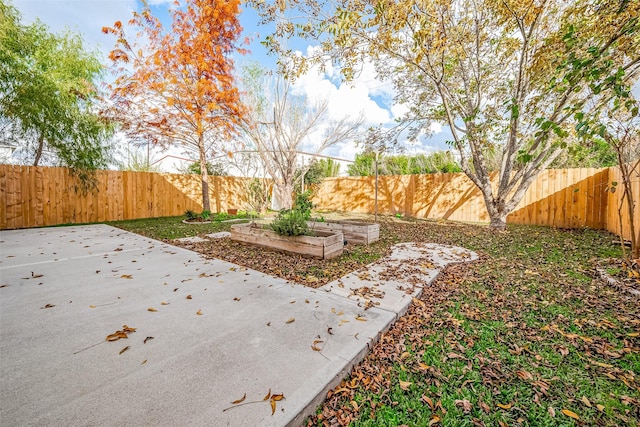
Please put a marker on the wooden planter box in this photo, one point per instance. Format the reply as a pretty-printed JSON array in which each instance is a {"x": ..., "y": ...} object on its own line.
[
  {"x": 358, "y": 232},
  {"x": 324, "y": 244}
]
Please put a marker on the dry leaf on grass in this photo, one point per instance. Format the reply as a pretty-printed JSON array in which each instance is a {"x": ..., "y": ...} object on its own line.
[
  {"x": 571, "y": 414},
  {"x": 405, "y": 385}
]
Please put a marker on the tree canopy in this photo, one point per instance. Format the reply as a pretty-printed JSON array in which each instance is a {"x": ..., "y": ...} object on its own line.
[
  {"x": 48, "y": 96},
  {"x": 176, "y": 85},
  {"x": 438, "y": 162},
  {"x": 507, "y": 76}
]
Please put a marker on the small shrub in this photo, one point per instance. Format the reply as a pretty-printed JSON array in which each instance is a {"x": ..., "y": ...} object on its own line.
[
  {"x": 290, "y": 223},
  {"x": 190, "y": 215},
  {"x": 303, "y": 204},
  {"x": 205, "y": 215},
  {"x": 221, "y": 216}
]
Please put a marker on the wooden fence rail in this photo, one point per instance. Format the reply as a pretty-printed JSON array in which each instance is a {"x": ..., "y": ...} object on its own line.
[{"x": 566, "y": 198}]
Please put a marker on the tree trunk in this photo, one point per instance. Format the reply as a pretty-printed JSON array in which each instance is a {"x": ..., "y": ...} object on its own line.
[
  {"x": 498, "y": 221},
  {"x": 204, "y": 176},
  {"x": 285, "y": 191},
  {"x": 39, "y": 150}
]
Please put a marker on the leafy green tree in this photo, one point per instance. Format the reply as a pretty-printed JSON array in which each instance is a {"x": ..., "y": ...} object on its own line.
[
  {"x": 319, "y": 170},
  {"x": 213, "y": 169},
  {"x": 363, "y": 165},
  {"x": 48, "y": 95},
  {"x": 486, "y": 68},
  {"x": 440, "y": 161}
]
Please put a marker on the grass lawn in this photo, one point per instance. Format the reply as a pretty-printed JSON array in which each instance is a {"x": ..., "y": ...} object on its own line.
[{"x": 524, "y": 336}]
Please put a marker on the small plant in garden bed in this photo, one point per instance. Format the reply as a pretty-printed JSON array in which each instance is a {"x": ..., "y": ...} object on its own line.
[
  {"x": 293, "y": 222},
  {"x": 290, "y": 223}
]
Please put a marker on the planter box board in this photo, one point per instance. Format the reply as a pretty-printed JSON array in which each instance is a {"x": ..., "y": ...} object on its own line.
[
  {"x": 354, "y": 231},
  {"x": 324, "y": 244}
]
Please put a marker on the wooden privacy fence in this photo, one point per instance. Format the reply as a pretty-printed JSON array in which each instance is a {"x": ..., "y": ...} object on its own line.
[
  {"x": 40, "y": 196},
  {"x": 566, "y": 198}
]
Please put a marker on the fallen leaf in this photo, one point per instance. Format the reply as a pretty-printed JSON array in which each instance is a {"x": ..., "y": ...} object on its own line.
[
  {"x": 465, "y": 404},
  {"x": 92, "y": 306},
  {"x": 277, "y": 397},
  {"x": 428, "y": 401},
  {"x": 292, "y": 302},
  {"x": 268, "y": 395},
  {"x": 505, "y": 407},
  {"x": 405, "y": 385},
  {"x": 151, "y": 309},
  {"x": 355, "y": 405},
  {"x": 290, "y": 321},
  {"x": 571, "y": 414},
  {"x": 126, "y": 276},
  {"x": 147, "y": 339},
  {"x": 551, "y": 411},
  {"x": 124, "y": 349},
  {"x": 48, "y": 306},
  {"x": 362, "y": 319},
  {"x": 189, "y": 296},
  {"x": 633, "y": 334},
  {"x": 236, "y": 299},
  {"x": 144, "y": 361},
  {"x": 36, "y": 276},
  {"x": 524, "y": 375},
  {"x": 269, "y": 324},
  {"x": 600, "y": 407},
  {"x": 199, "y": 312},
  {"x": 235, "y": 402},
  {"x": 120, "y": 334},
  {"x": 273, "y": 406},
  {"x": 585, "y": 401},
  {"x": 330, "y": 331},
  {"x": 164, "y": 303},
  {"x": 423, "y": 366},
  {"x": 417, "y": 301},
  {"x": 434, "y": 420}
]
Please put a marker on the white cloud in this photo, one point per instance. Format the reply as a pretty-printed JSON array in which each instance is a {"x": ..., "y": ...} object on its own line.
[{"x": 346, "y": 99}]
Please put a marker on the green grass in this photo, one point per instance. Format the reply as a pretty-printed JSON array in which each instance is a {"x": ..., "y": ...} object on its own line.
[
  {"x": 169, "y": 228},
  {"x": 526, "y": 327}
]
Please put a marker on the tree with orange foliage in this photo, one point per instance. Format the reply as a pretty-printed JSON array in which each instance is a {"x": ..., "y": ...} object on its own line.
[{"x": 177, "y": 86}]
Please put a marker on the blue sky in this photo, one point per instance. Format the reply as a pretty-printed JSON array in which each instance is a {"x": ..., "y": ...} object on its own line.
[{"x": 369, "y": 95}]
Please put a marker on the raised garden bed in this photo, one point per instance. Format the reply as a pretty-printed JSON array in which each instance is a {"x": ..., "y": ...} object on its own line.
[
  {"x": 354, "y": 231},
  {"x": 323, "y": 244}
]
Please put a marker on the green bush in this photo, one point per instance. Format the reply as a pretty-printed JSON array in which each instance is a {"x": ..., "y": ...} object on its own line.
[
  {"x": 190, "y": 215},
  {"x": 303, "y": 204},
  {"x": 290, "y": 223},
  {"x": 205, "y": 215}
]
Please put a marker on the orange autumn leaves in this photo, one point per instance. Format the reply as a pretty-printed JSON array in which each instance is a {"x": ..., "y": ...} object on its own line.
[{"x": 176, "y": 85}]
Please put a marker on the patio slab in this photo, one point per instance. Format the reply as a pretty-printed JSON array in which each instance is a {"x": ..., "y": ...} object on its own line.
[{"x": 219, "y": 332}]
